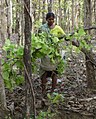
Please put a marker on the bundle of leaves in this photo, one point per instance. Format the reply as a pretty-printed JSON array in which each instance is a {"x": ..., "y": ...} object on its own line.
[{"x": 49, "y": 45}]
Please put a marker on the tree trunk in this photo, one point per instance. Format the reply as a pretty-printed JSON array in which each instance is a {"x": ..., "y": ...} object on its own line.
[
  {"x": 9, "y": 17},
  {"x": 69, "y": 26},
  {"x": 95, "y": 13},
  {"x": 60, "y": 13},
  {"x": 50, "y": 5},
  {"x": 22, "y": 23},
  {"x": 3, "y": 106},
  {"x": 90, "y": 71},
  {"x": 65, "y": 17},
  {"x": 39, "y": 9},
  {"x": 73, "y": 17},
  {"x": 3, "y": 36},
  {"x": 30, "y": 100},
  {"x": 17, "y": 27},
  {"x": 3, "y": 22},
  {"x": 43, "y": 13}
]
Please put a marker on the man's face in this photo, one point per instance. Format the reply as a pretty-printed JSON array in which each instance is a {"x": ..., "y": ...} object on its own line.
[{"x": 50, "y": 21}]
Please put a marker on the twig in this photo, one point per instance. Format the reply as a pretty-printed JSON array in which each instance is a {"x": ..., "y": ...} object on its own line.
[{"x": 32, "y": 91}]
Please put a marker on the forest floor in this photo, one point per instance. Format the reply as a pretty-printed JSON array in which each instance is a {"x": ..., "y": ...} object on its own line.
[{"x": 79, "y": 102}]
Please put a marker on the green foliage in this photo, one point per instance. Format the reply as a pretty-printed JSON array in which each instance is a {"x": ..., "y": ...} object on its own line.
[
  {"x": 42, "y": 47},
  {"x": 45, "y": 115},
  {"x": 12, "y": 66},
  {"x": 55, "y": 98},
  {"x": 82, "y": 37}
]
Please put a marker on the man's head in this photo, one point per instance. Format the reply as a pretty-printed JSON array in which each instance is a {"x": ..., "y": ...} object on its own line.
[{"x": 50, "y": 18}]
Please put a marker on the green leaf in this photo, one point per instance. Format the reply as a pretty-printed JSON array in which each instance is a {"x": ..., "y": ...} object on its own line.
[
  {"x": 6, "y": 67},
  {"x": 5, "y": 75},
  {"x": 49, "y": 96},
  {"x": 57, "y": 98},
  {"x": 19, "y": 79},
  {"x": 19, "y": 64},
  {"x": 8, "y": 84},
  {"x": 81, "y": 32},
  {"x": 56, "y": 53},
  {"x": 55, "y": 40},
  {"x": 19, "y": 51}
]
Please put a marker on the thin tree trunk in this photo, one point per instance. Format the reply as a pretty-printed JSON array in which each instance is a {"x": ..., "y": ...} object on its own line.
[
  {"x": 50, "y": 5},
  {"x": 17, "y": 27},
  {"x": 60, "y": 13},
  {"x": 69, "y": 26},
  {"x": 73, "y": 18},
  {"x": 9, "y": 17},
  {"x": 65, "y": 17},
  {"x": 3, "y": 106},
  {"x": 43, "y": 13},
  {"x": 39, "y": 9},
  {"x": 3, "y": 36},
  {"x": 22, "y": 23},
  {"x": 95, "y": 13},
  {"x": 90, "y": 71},
  {"x": 30, "y": 98}
]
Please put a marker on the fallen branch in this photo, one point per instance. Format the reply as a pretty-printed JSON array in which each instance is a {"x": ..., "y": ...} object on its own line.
[{"x": 87, "y": 99}]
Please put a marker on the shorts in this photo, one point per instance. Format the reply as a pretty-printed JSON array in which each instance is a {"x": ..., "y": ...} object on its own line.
[{"x": 49, "y": 73}]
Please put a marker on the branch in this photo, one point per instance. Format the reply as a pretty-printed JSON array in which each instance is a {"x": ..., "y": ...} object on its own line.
[
  {"x": 32, "y": 91},
  {"x": 90, "y": 28},
  {"x": 88, "y": 53},
  {"x": 6, "y": 3},
  {"x": 85, "y": 28}
]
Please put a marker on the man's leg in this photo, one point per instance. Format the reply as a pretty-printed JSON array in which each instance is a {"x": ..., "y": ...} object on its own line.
[
  {"x": 43, "y": 83},
  {"x": 54, "y": 81}
]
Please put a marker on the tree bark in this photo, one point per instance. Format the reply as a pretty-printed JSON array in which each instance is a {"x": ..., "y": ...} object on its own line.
[
  {"x": 22, "y": 23},
  {"x": 43, "y": 13},
  {"x": 50, "y": 5},
  {"x": 30, "y": 98},
  {"x": 73, "y": 18},
  {"x": 3, "y": 106},
  {"x": 3, "y": 36},
  {"x": 17, "y": 26},
  {"x": 90, "y": 71},
  {"x": 95, "y": 13},
  {"x": 60, "y": 13},
  {"x": 9, "y": 17}
]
